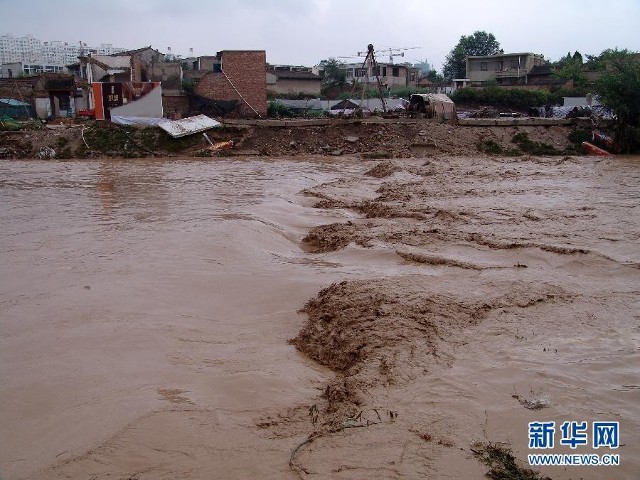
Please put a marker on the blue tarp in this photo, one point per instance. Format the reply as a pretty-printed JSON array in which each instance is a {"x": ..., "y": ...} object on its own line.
[{"x": 16, "y": 109}]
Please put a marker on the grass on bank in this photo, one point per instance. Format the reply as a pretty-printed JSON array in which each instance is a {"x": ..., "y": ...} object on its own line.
[{"x": 523, "y": 145}]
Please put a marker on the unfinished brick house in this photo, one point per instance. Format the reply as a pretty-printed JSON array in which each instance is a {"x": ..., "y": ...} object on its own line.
[
  {"x": 52, "y": 95},
  {"x": 237, "y": 76},
  {"x": 141, "y": 65}
]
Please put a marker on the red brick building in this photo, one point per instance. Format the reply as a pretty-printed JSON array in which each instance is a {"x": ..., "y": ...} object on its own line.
[{"x": 238, "y": 75}]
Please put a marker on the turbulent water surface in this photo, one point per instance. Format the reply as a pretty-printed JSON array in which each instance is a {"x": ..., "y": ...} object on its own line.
[{"x": 146, "y": 308}]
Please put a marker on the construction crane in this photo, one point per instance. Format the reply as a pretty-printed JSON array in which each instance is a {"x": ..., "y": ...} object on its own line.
[
  {"x": 395, "y": 52},
  {"x": 390, "y": 51}
]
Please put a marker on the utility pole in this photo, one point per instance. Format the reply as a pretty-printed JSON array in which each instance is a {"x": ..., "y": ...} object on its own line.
[{"x": 372, "y": 66}]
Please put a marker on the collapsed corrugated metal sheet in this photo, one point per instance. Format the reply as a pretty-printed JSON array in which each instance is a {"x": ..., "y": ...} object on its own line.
[{"x": 188, "y": 126}]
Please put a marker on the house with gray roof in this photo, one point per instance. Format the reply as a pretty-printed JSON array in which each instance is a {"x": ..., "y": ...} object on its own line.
[{"x": 293, "y": 81}]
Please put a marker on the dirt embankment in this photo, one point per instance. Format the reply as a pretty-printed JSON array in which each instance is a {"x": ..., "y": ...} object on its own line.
[{"x": 368, "y": 140}]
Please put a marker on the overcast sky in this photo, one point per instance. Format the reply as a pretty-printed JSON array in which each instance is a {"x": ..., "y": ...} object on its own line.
[{"x": 303, "y": 32}]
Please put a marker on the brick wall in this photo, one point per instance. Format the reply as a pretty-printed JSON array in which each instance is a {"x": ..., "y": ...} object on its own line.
[
  {"x": 247, "y": 71},
  {"x": 18, "y": 89},
  {"x": 167, "y": 73},
  {"x": 137, "y": 70},
  {"x": 295, "y": 86},
  {"x": 27, "y": 89},
  {"x": 175, "y": 106}
]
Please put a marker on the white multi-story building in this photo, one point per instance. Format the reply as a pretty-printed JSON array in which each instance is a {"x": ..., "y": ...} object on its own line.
[
  {"x": 37, "y": 56},
  {"x": 391, "y": 75}
]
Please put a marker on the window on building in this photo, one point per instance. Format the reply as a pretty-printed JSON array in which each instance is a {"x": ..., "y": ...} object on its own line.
[
  {"x": 396, "y": 72},
  {"x": 484, "y": 66},
  {"x": 514, "y": 64}
]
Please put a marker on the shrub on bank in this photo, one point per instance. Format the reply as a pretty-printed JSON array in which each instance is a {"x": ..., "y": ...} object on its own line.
[
  {"x": 512, "y": 98},
  {"x": 525, "y": 145},
  {"x": 127, "y": 141},
  {"x": 277, "y": 109}
]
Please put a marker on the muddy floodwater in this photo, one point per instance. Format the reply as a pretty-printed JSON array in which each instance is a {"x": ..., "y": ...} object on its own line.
[{"x": 165, "y": 319}]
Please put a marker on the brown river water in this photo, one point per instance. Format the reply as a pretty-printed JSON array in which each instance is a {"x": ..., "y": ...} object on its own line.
[{"x": 146, "y": 308}]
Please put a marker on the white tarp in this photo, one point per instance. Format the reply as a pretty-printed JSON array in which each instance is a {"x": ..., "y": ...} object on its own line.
[
  {"x": 148, "y": 104},
  {"x": 346, "y": 111},
  {"x": 588, "y": 101},
  {"x": 443, "y": 107},
  {"x": 188, "y": 126},
  {"x": 122, "y": 120}
]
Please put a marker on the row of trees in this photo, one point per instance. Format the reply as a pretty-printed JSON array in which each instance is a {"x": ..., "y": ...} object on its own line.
[{"x": 619, "y": 89}]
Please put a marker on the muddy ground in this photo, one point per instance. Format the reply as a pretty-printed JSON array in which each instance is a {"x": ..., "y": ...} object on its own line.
[{"x": 367, "y": 140}]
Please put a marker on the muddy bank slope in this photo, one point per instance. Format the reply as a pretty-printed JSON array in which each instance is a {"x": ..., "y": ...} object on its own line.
[{"x": 369, "y": 140}]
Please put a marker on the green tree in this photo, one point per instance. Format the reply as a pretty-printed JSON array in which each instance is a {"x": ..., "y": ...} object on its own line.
[
  {"x": 568, "y": 58},
  {"x": 596, "y": 62},
  {"x": 480, "y": 43},
  {"x": 334, "y": 73},
  {"x": 435, "y": 77},
  {"x": 619, "y": 89},
  {"x": 577, "y": 57},
  {"x": 571, "y": 67}
]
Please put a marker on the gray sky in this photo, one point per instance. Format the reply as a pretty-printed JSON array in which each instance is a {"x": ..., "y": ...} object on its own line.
[{"x": 303, "y": 32}]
